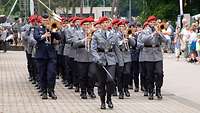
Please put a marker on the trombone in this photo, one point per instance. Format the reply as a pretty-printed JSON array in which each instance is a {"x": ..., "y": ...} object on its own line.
[{"x": 51, "y": 12}]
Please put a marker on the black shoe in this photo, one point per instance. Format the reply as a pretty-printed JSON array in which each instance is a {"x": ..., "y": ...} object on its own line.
[
  {"x": 33, "y": 82},
  {"x": 127, "y": 93},
  {"x": 52, "y": 95},
  {"x": 136, "y": 90},
  {"x": 92, "y": 95},
  {"x": 150, "y": 96},
  {"x": 44, "y": 96},
  {"x": 70, "y": 86},
  {"x": 121, "y": 95},
  {"x": 145, "y": 93},
  {"x": 40, "y": 90},
  {"x": 83, "y": 96},
  {"x": 103, "y": 105},
  {"x": 77, "y": 89},
  {"x": 66, "y": 83},
  {"x": 30, "y": 79},
  {"x": 110, "y": 104},
  {"x": 158, "y": 94},
  {"x": 115, "y": 93},
  {"x": 130, "y": 86},
  {"x": 142, "y": 88}
]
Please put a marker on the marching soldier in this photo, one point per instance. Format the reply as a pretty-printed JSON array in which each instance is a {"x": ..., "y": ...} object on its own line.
[
  {"x": 124, "y": 62},
  {"x": 83, "y": 57},
  {"x": 135, "y": 59},
  {"x": 142, "y": 67},
  {"x": 68, "y": 31},
  {"x": 152, "y": 57},
  {"x": 103, "y": 49},
  {"x": 46, "y": 57}
]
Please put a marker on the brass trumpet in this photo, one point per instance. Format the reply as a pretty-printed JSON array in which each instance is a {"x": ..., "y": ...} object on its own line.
[{"x": 89, "y": 35}]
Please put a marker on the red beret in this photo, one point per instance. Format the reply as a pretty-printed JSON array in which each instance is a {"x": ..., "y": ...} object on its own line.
[
  {"x": 102, "y": 19},
  {"x": 89, "y": 19},
  {"x": 122, "y": 22},
  {"x": 115, "y": 21},
  {"x": 76, "y": 18},
  {"x": 70, "y": 19},
  {"x": 35, "y": 18},
  {"x": 96, "y": 22},
  {"x": 151, "y": 18},
  {"x": 145, "y": 23}
]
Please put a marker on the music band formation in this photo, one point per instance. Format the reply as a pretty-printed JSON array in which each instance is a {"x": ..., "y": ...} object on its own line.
[{"x": 111, "y": 54}]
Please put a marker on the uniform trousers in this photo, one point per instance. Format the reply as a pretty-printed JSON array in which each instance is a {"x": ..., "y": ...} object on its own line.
[
  {"x": 105, "y": 84},
  {"x": 47, "y": 74},
  {"x": 154, "y": 75},
  {"x": 123, "y": 76}
]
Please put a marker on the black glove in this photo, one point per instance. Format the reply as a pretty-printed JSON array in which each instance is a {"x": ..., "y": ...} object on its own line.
[{"x": 99, "y": 62}]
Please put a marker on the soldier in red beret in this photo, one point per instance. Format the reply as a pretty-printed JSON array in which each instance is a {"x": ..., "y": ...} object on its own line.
[
  {"x": 83, "y": 57},
  {"x": 103, "y": 50},
  {"x": 151, "y": 55}
]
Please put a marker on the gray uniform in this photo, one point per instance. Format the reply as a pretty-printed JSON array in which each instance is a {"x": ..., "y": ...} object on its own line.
[
  {"x": 104, "y": 48},
  {"x": 124, "y": 48},
  {"x": 68, "y": 50},
  {"x": 145, "y": 40},
  {"x": 82, "y": 51}
]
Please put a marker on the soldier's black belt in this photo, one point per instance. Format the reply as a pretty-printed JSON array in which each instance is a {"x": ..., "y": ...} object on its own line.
[
  {"x": 82, "y": 46},
  {"x": 104, "y": 50},
  {"x": 151, "y": 45}
]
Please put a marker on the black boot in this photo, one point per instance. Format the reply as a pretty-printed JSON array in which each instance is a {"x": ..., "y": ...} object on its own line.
[
  {"x": 150, "y": 96},
  {"x": 70, "y": 86},
  {"x": 77, "y": 89},
  {"x": 44, "y": 95},
  {"x": 109, "y": 101},
  {"x": 121, "y": 95},
  {"x": 127, "y": 93},
  {"x": 91, "y": 94},
  {"x": 52, "y": 95},
  {"x": 136, "y": 90},
  {"x": 158, "y": 94},
  {"x": 145, "y": 93},
  {"x": 115, "y": 92},
  {"x": 103, "y": 105},
  {"x": 83, "y": 95}
]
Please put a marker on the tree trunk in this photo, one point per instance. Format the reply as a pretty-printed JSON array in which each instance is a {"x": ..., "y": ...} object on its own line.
[
  {"x": 116, "y": 13},
  {"x": 113, "y": 8},
  {"x": 91, "y": 7},
  {"x": 73, "y": 2},
  {"x": 81, "y": 8}
]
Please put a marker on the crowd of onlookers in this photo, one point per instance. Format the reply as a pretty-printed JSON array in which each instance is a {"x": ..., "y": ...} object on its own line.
[{"x": 187, "y": 41}]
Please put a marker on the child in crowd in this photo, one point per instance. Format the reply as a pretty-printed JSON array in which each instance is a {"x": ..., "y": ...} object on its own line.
[{"x": 177, "y": 43}]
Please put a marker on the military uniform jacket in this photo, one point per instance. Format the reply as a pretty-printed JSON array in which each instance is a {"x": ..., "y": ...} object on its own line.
[
  {"x": 43, "y": 50},
  {"x": 104, "y": 47},
  {"x": 29, "y": 39},
  {"x": 68, "y": 35},
  {"x": 147, "y": 39},
  {"x": 80, "y": 43},
  {"x": 135, "y": 51},
  {"x": 124, "y": 49}
]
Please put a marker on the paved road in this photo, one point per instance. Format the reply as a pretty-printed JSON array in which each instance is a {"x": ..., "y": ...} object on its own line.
[
  {"x": 182, "y": 79},
  {"x": 17, "y": 95}
]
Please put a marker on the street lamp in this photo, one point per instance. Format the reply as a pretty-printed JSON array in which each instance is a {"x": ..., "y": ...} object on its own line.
[{"x": 104, "y": 5}]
